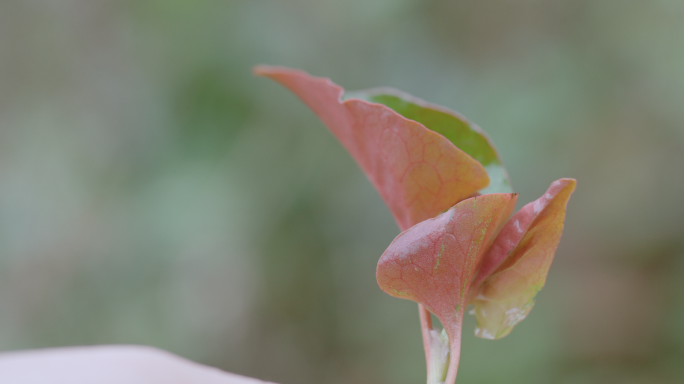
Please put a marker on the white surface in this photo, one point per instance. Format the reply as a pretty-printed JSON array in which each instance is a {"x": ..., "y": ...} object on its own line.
[{"x": 109, "y": 365}]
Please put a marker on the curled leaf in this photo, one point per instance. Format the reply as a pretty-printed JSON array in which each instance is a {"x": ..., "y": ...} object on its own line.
[
  {"x": 463, "y": 134},
  {"x": 516, "y": 266},
  {"x": 418, "y": 172},
  {"x": 435, "y": 261}
]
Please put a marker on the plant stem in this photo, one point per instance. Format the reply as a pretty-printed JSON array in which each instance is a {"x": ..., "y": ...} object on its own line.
[
  {"x": 425, "y": 326},
  {"x": 454, "y": 357},
  {"x": 439, "y": 357},
  {"x": 454, "y": 331}
]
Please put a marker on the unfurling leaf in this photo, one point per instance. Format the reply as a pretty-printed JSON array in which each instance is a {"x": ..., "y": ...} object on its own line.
[
  {"x": 516, "y": 266},
  {"x": 418, "y": 173},
  {"x": 435, "y": 261}
]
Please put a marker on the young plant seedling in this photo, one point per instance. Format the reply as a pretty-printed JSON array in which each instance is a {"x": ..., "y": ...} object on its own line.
[{"x": 448, "y": 191}]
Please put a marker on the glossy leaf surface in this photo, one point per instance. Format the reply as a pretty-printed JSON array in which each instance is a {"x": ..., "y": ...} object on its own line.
[
  {"x": 516, "y": 266},
  {"x": 434, "y": 262},
  {"x": 417, "y": 172},
  {"x": 456, "y": 128}
]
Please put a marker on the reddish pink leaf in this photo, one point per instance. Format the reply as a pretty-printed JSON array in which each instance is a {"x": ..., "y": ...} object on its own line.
[
  {"x": 417, "y": 172},
  {"x": 435, "y": 261},
  {"x": 516, "y": 266}
]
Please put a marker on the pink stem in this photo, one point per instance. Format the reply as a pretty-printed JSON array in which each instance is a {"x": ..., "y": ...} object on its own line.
[
  {"x": 454, "y": 332},
  {"x": 425, "y": 326},
  {"x": 454, "y": 357}
]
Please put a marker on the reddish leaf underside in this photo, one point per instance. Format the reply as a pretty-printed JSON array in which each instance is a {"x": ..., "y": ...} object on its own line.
[
  {"x": 516, "y": 266},
  {"x": 465, "y": 135},
  {"x": 417, "y": 172},
  {"x": 434, "y": 262}
]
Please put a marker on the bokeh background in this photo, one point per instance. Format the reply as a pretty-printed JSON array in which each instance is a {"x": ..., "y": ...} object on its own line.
[{"x": 152, "y": 191}]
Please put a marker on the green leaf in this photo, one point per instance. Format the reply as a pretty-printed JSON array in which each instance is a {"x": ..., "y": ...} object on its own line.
[{"x": 465, "y": 135}]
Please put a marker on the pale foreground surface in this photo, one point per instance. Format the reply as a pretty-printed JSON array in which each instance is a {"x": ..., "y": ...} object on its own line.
[{"x": 109, "y": 365}]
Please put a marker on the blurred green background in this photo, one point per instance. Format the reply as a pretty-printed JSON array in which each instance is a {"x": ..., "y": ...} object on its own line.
[{"x": 152, "y": 191}]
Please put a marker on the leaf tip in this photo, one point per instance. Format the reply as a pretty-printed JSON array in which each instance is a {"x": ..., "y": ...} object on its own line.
[
  {"x": 270, "y": 70},
  {"x": 261, "y": 70},
  {"x": 564, "y": 183}
]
